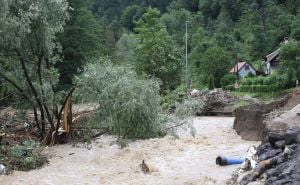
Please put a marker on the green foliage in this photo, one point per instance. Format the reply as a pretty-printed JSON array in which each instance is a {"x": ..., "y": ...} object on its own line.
[
  {"x": 81, "y": 41},
  {"x": 125, "y": 49},
  {"x": 250, "y": 75},
  {"x": 230, "y": 87},
  {"x": 26, "y": 156},
  {"x": 228, "y": 79},
  {"x": 170, "y": 99},
  {"x": 156, "y": 55},
  {"x": 129, "y": 106},
  {"x": 130, "y": 15},
  {"x": 216, "y": 62},
  {"x": 29, "y": 52},
  {"x": 211, "y": 82},
  {"x": 189, "y": 107},
  {"x": 290, "y": 59},
  {"x": 273, "y": 83}
]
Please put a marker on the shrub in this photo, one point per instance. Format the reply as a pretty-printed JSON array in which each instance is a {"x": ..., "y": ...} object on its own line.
[
  {"x": 26, "y": 156},
  {"x": 228, "y": 79},
  {"x": 170, "y": 98},
  {"x": 250, "y": 75},
  {"x": 229, "y": 87},
  {"x": 211, "y": 83},
  {"x": 246, "y": 81},
  {"x": 128, "y": 106},
  {"x": 257, "y": 81},
  {"x": 290, "y": 78}
]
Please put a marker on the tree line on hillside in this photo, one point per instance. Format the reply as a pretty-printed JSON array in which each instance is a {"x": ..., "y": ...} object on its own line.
[{"x": 220, "y": 33}]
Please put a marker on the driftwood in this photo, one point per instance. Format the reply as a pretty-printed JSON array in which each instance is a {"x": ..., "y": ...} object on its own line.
[
  {"x": 81, "y": 114},
  {"x": 261, "y": 167}
]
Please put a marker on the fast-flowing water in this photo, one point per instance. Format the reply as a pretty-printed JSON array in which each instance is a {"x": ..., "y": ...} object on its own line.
[{"x": 184, "y": 161}]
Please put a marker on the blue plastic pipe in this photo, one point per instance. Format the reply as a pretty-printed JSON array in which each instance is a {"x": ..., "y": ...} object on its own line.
[{"x": 222, "y": 161}]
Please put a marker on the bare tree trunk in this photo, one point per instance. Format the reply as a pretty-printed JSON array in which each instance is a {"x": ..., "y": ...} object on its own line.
[{"x": 37, "y": 99}]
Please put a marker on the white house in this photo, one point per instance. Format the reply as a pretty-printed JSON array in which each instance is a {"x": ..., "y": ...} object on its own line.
[
  {"x": 271, "y": 62},
  {"x": 243, "y": 68}
]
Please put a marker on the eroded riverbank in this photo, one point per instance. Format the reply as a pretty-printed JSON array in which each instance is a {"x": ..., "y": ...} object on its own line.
[{"x": 187, "y": 160}]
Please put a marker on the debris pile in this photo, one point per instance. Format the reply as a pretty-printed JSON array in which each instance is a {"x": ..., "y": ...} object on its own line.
[
  {"x": 278, "y": 160},
  {"x": 215, "y": 100}
]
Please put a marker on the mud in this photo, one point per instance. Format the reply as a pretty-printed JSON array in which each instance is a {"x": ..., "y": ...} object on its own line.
[
  {"x": 184, "y": 161},
  {"x": 249, "y": 122}
]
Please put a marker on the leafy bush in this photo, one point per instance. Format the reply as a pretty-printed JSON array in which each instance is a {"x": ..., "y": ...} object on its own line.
[
  {"x": 211, "y": 83},
  {"x": 258, "y": 81},
  {"x": 273, "y": 83},
  {"x": 250, "y": 75},
  {"x": 128, "y": 106},
  {"x": 229, "y": 87},
  {"x": 246, "y": 81},
  {"x": 228, "y": 79},
  {"x": 169, "y": 100},
  {"x": 26, "y": 156},
  {"x": 188, "y": 108},
  {"x": 290, "y": 78}
]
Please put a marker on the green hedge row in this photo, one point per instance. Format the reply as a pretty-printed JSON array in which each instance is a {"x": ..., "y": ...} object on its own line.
[
  {"x": 261, "y": 88},
  {"x": 270, "y": 80}
]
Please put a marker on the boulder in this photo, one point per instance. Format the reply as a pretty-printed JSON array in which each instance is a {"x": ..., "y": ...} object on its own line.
[{"x": 284, "y": 122}]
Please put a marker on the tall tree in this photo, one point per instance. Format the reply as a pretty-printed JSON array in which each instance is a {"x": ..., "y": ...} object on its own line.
[
  {"x": 289, "y": 56},
  {"x": 81, "y": 41},
  {"x": 125, "y": 48},
  {"x": 156, "y": 54},
  {"x": 130, "y": 15},
  {"x": 29, "y": 51},
  {"x": 216, "y": 62}
]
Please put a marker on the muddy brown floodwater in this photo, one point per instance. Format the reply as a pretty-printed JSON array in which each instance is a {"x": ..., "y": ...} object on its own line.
[{"x": 184, "y": 161}]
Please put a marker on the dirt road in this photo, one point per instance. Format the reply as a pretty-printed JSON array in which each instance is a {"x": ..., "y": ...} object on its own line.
[{"x": 185, "y": 161}]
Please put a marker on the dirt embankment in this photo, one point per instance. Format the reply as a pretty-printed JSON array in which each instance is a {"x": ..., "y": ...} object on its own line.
[
  {"x": 249, "y": 122},
  {"x": 255, "y": 121}
]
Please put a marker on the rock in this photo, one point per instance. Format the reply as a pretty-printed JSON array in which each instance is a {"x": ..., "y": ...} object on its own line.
[
  {"x": 286, "y": 121},
  {"x": 144, "y": 167},
  {"x": 2, "y": 169},
  {"x": 269, "y": 154},
  {"x": 282, "y": 167},
  {"x": 195, "y": 93},
  {"x": 256, "y": 183}
]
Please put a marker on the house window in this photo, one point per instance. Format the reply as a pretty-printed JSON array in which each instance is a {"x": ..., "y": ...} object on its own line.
[{"x": 246, "y": 67}]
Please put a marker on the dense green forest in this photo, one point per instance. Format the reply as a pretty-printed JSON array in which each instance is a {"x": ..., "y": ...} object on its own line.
[
  {"x": 150, "y": 35},
  {"x": 220, "y": 33},
  {"x": 50, "y": 48}
]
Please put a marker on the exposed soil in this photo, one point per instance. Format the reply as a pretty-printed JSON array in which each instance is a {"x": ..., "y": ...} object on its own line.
[
  {"x": 187, "y": 160},
  {"x": 249, "y": 122},
  {"x": 253, "y": 122}
]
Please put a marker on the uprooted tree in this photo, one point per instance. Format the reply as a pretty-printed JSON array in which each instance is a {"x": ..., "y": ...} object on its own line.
[
  {"x": 28, "y": 53},
  {"x": 128, "y": 106}
]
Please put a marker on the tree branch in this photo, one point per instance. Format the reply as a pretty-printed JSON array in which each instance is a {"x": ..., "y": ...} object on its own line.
[{"x": 16, "y": 86}]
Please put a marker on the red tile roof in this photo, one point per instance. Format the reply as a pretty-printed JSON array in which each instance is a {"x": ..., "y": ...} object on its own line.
[{"x": 238, "y": 67}]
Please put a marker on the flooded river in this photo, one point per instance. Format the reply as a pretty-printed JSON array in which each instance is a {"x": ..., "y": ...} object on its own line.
[{"x": 184, "y": 161}]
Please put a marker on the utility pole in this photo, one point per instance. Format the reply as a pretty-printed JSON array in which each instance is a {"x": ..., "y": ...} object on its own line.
[{"x": 186, "y": 56}]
